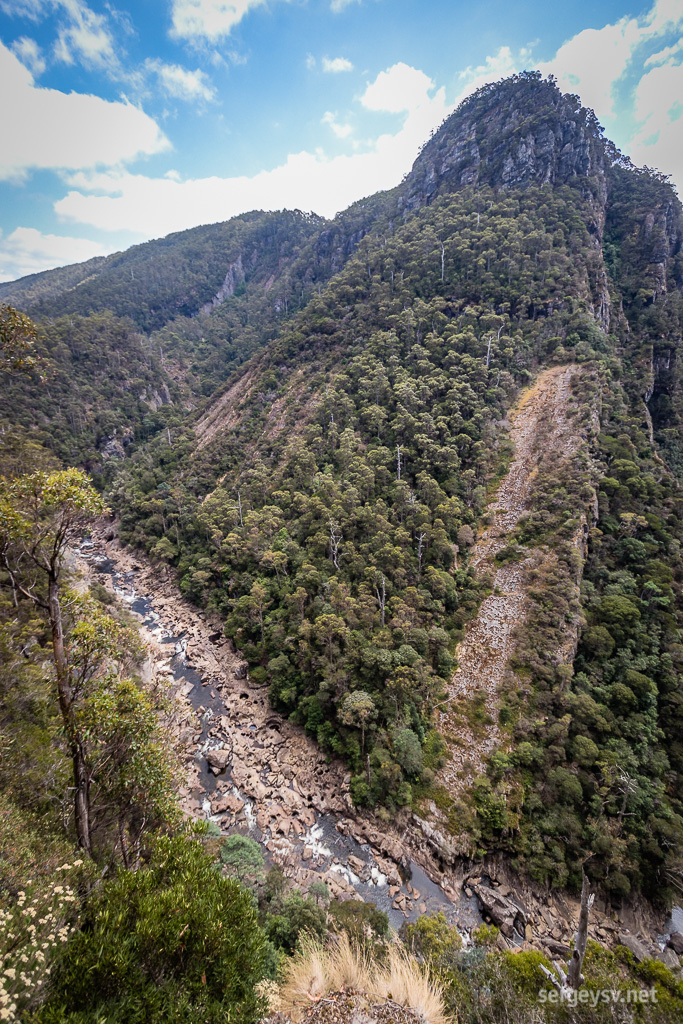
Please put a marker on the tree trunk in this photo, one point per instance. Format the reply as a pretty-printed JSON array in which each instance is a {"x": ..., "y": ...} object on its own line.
[
  {"x": 81, "y": 780},
  {"x": 574, "y": 976}
]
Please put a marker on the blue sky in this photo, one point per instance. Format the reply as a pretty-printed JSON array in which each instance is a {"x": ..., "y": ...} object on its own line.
[{"x": 125, "y": 121}]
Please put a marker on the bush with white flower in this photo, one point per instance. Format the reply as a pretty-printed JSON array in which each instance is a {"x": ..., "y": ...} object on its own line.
[{"x": 32, "y": 929}]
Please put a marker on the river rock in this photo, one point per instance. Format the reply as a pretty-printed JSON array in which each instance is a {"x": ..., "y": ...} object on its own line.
[
  {"x": 218, "y": 760},
  {"x": 637, "y": 947},
  {"x": 669, "y": 958},
  {"x": 290, "y": 799},
  {"x": 356, "y": 865},
  {"x": 558, "y": 948},
  {"x": 307, "y": 853},
  {"x": 502, "y": 911},
  {"x": 676, "y": 943},
  {"x": 229, "y": 802}
]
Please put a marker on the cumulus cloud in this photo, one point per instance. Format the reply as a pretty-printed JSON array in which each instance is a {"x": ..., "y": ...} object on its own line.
[
  {"x": 83, "y": 35},
  {"x": 399, "y": 88},
  {"x": 27, "y": 251},
  {"x": 658, "y": 110},
  {"x": 632, "y": 89},
  {"x": 498, "y": 65},
  {"x": 208, "y": 19},
  {"x": 180, "y": 83},
  {"x": 30, "y": 54},
  {"x": 67, "y": 131},
  {"x": 309, "y": 181},
  {"x": 595, "y": 62},
  {"x": 336, "y": 64}
]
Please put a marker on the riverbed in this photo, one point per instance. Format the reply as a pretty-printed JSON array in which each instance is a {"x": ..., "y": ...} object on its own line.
[{"x": 314, "y": 846}]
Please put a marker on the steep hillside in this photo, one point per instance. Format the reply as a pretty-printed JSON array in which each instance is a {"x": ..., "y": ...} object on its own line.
[
  {"x": 543, "y": 427},
  {"x": 326, "y": 498}
]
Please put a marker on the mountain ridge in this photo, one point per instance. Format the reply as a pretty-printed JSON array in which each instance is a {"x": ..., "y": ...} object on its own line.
[{"x": 338, "y": 423}]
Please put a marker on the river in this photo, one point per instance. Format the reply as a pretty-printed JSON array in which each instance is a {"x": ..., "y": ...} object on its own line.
[{"x": 321, "y": 846}]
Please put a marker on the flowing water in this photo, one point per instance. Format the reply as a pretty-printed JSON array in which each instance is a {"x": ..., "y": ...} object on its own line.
[{"x": 331, "y": 849}]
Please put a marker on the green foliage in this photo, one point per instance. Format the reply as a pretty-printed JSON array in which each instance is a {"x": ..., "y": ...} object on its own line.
[
  {"x": 294, "y": 916},
  {"x": 173, "y": 941},
  {"x": 483, "y": 985},
  {"x": 17, "y": 340},
  {"x": 433, "y": 940},
  {"x": 363, "y": 922},
  {"x": 242, "y": 855},
  {"x": 331, "y": 550}
]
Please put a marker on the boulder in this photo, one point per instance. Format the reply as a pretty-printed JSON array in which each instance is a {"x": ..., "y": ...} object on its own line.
[
  {"x": 637, "y": 947},
  {"x": 558, "y": 948},
  {"x": 218, "y": 760},
  {"x": 669, "y": 958},
  {"x": 676, "y": 943},
  {"x": 229, "y": 802},
  {"x": 356, "y": 865},
  {"x": 502, "y": 911}
]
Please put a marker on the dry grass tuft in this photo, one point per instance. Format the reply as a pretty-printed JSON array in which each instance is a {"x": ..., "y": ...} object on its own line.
[{"x": 315, "y": 971}]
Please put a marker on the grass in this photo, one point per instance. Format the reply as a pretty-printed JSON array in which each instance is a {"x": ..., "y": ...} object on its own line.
[{"x": 316, "y": 971}]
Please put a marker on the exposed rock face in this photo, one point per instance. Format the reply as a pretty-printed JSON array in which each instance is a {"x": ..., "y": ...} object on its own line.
[
  {"x": 156, "y": 397},
  {"x": 639, "y": 949},
  {"x": 502, "y": 910},
  {"x": 235, "y": 276},
  {"x": 493, "y": 139},
  {"x": 114, "y": 446}
]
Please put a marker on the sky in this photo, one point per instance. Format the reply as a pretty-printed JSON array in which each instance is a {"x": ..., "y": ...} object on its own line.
[{"x": 126, "y": 121}]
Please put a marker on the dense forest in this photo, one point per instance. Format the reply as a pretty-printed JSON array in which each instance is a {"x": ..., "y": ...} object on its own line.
[{"x": 306, "y": 421}]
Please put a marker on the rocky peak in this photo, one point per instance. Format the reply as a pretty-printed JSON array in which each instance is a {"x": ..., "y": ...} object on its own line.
[{"x": 512, "y": 134}]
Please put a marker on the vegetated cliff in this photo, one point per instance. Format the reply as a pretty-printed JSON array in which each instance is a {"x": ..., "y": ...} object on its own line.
[
  {"x": 502, "y": 136},
  {"x": 319, "y": 505}
]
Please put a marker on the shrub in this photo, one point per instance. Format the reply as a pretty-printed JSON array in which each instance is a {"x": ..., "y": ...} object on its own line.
[{"x": 175, "y": 941}]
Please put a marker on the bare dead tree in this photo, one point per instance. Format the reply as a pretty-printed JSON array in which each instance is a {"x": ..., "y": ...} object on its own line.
[
  {"x": 335, "y": 541},
  {"x": 381, "y": 597},
  {"x": 399, "y": 449},
  {"x": 420, "y": 548},
  {"x": 573, "y": 978}
]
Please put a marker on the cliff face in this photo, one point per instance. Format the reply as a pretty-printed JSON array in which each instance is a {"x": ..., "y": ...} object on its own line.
[{"x": 519, "y": 133}]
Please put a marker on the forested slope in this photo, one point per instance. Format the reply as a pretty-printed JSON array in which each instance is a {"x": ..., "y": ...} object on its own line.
[{"x": 324, "y": 497}]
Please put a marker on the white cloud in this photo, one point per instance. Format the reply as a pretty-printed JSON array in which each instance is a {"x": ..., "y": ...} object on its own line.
[
  {"x": 337, "y": 64},
  {"x": 30, "y": 54},
  {"x": 397, "y": 89},
  {"x": 67, "y": 131},
  {"x": 664, "y": 56},
  {"x": 635, "y": 92},
  {"x": 117, "y": 200},
  {"x": 658, "y": 109},
  {"x": 23, "y": 8},
  {"x": 85, "y": 38},
  {"x": 596, "y": 62},
  {"x": 208, "y": 19},
  {"x": 181, "y": 83},
  {"x": 339, "y": 5},
  {"x": 342, "y": 131},
  {"x": 499, "y": 65},
  {"x": 27, "y": 251},
  {"x": 593, "y": 61}
]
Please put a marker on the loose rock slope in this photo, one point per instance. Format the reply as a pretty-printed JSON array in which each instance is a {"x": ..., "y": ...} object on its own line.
[{"x": 540, "y": 427}]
